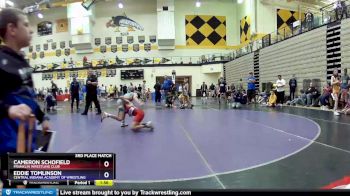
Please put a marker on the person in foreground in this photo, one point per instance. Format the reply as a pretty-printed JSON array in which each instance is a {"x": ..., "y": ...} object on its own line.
[{"x": 17, "y": 97}]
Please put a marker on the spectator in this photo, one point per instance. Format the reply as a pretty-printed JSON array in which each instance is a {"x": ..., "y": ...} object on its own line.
[
  {"x": 74, "y": 92},
  {"x": 345, "y": 86},
  {"x": 110, "y": 91},
  {"x": 280, "y": 83},
  {"x": 131, "y": 88},
  {"x": 17, "y": 101},
  {"x": 324, "y": 99},
  {"x": 222, "y": 89},
  {"x": 144, "y": 90},
  {"x": 54, "y": 89},
  {"x": 312, "y": 96},
  {"x": 204, "y": 89},
  {"x": 103, "y": 90},
  {"x": 272, "y": 99},
  {"x": 251, "y": 87},
  {"x": 212, "y": 90},
  {"x": 301, "y": 100},
  {"x": 263, "y": 98},
  {"x": 340, "y": 9},
  {"x": 51, "y": 102},
  {"x": 125, "y": 89},
  {"x": 91, "y": 93},
  {"x": 309, "y": 19},
  {"x": 157, "y": 88},
  {"x": 233, "y": 87},
  {"x": 60, "y": 92},
  {"x": 335, "y": 82},
  {"x": 292, "y": 87},
  {"x": 115, "y": 90},
  {"x": 83, "y": 89},
  {"x": 180, "y": 89},
  {"x": 85, "y": 61},
  {"x": 346, "y": 109},
  {"x": 139, "y": 88},
  {"x": 166, "y": 87}
]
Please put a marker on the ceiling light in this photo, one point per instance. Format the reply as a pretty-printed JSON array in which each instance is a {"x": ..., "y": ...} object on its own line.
[
  {"x": 198, "y": 4},
  {"x": 10, "y": 3},
  {"x": 120, "y": 5},
  {"x": 239, "y": 1},
  {"x": 40, "y": 15}
]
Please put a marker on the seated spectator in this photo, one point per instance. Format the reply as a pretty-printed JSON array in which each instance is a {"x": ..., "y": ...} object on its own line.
[
  {"x": 326, "y": 95},
  {"x": 312, "y": 96},
  {"x": 272, "y": 99},
  {"x": 301, "y": 100},
  {"x": 263, "y": 97},
  {"x": 238, "y": 98},
  {"x": 60, "y": 92},
  {"x": 346, "y": 109},
  {"x": 50, "y": 102},
  {"x": 244, "y": 97}
]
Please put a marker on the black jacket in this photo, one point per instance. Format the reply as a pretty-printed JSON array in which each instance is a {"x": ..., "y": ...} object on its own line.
[
  {"x": 15, "y": 78},
  {"x": 90, "y": 88}
]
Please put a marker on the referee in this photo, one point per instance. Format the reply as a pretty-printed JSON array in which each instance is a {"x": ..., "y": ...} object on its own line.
[{"x": 91, "y": 93}]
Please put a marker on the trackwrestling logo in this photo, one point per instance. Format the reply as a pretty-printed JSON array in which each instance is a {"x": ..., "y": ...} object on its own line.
[{"x": 33, "y": 192}]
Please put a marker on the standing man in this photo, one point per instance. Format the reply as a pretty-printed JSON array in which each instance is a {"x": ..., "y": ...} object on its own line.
[
  {"x": 204, "y": 89},
  {"x": 54, "y": 89},
  {"x": 292, "y": 87},
  {"x": 251, "y": 87},
  {"x": 143, "y": 91},
  {"x": 222, "y": 89},
  {"x": 125, "y": 89},
  {"x": 74, "y": 93},
  {"x": 17, "y": 101},
  {"x": 131, "y": 88},
  {"x": 280, "y": 83},
  {"x": 91, "y": 93},
  {"x": 212, "y": 90},
  {"x": 158, "y": 95},
  {"x": 168, "y": 83}
]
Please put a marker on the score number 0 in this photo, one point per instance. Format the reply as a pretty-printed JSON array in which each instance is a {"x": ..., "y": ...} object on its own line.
[{"x": 106, "y": 164}]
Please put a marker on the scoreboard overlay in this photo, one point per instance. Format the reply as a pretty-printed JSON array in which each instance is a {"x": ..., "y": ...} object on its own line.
[{"x": 61, "y": 169}]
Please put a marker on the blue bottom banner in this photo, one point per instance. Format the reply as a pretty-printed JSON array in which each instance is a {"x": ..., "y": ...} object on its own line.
[{"x": 32, "y": 192}]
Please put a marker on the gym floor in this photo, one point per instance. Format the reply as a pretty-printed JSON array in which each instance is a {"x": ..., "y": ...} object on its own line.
[{"x": 215, "y": 147}]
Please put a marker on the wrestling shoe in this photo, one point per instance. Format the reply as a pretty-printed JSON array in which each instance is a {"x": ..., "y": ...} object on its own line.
[
  {"x": 103, "y": 116},
  {"x": 124, "y": 124},
  {"x": 149, "y": 125}
]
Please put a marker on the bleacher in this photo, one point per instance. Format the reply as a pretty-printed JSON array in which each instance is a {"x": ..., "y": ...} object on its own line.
[
  {"x": 239, "y": 69},
  {"x": 304, "y": 55},
  {"x": 345, "y": 43}
]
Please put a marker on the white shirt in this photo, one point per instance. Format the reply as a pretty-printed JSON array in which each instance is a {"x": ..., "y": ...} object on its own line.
[
  {"x": 180, "y": 88},
  {"x": 280, "y": 85}
]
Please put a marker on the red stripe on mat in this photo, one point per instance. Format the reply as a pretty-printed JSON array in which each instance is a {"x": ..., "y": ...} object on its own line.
[{"x": 344, "y": 181}]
